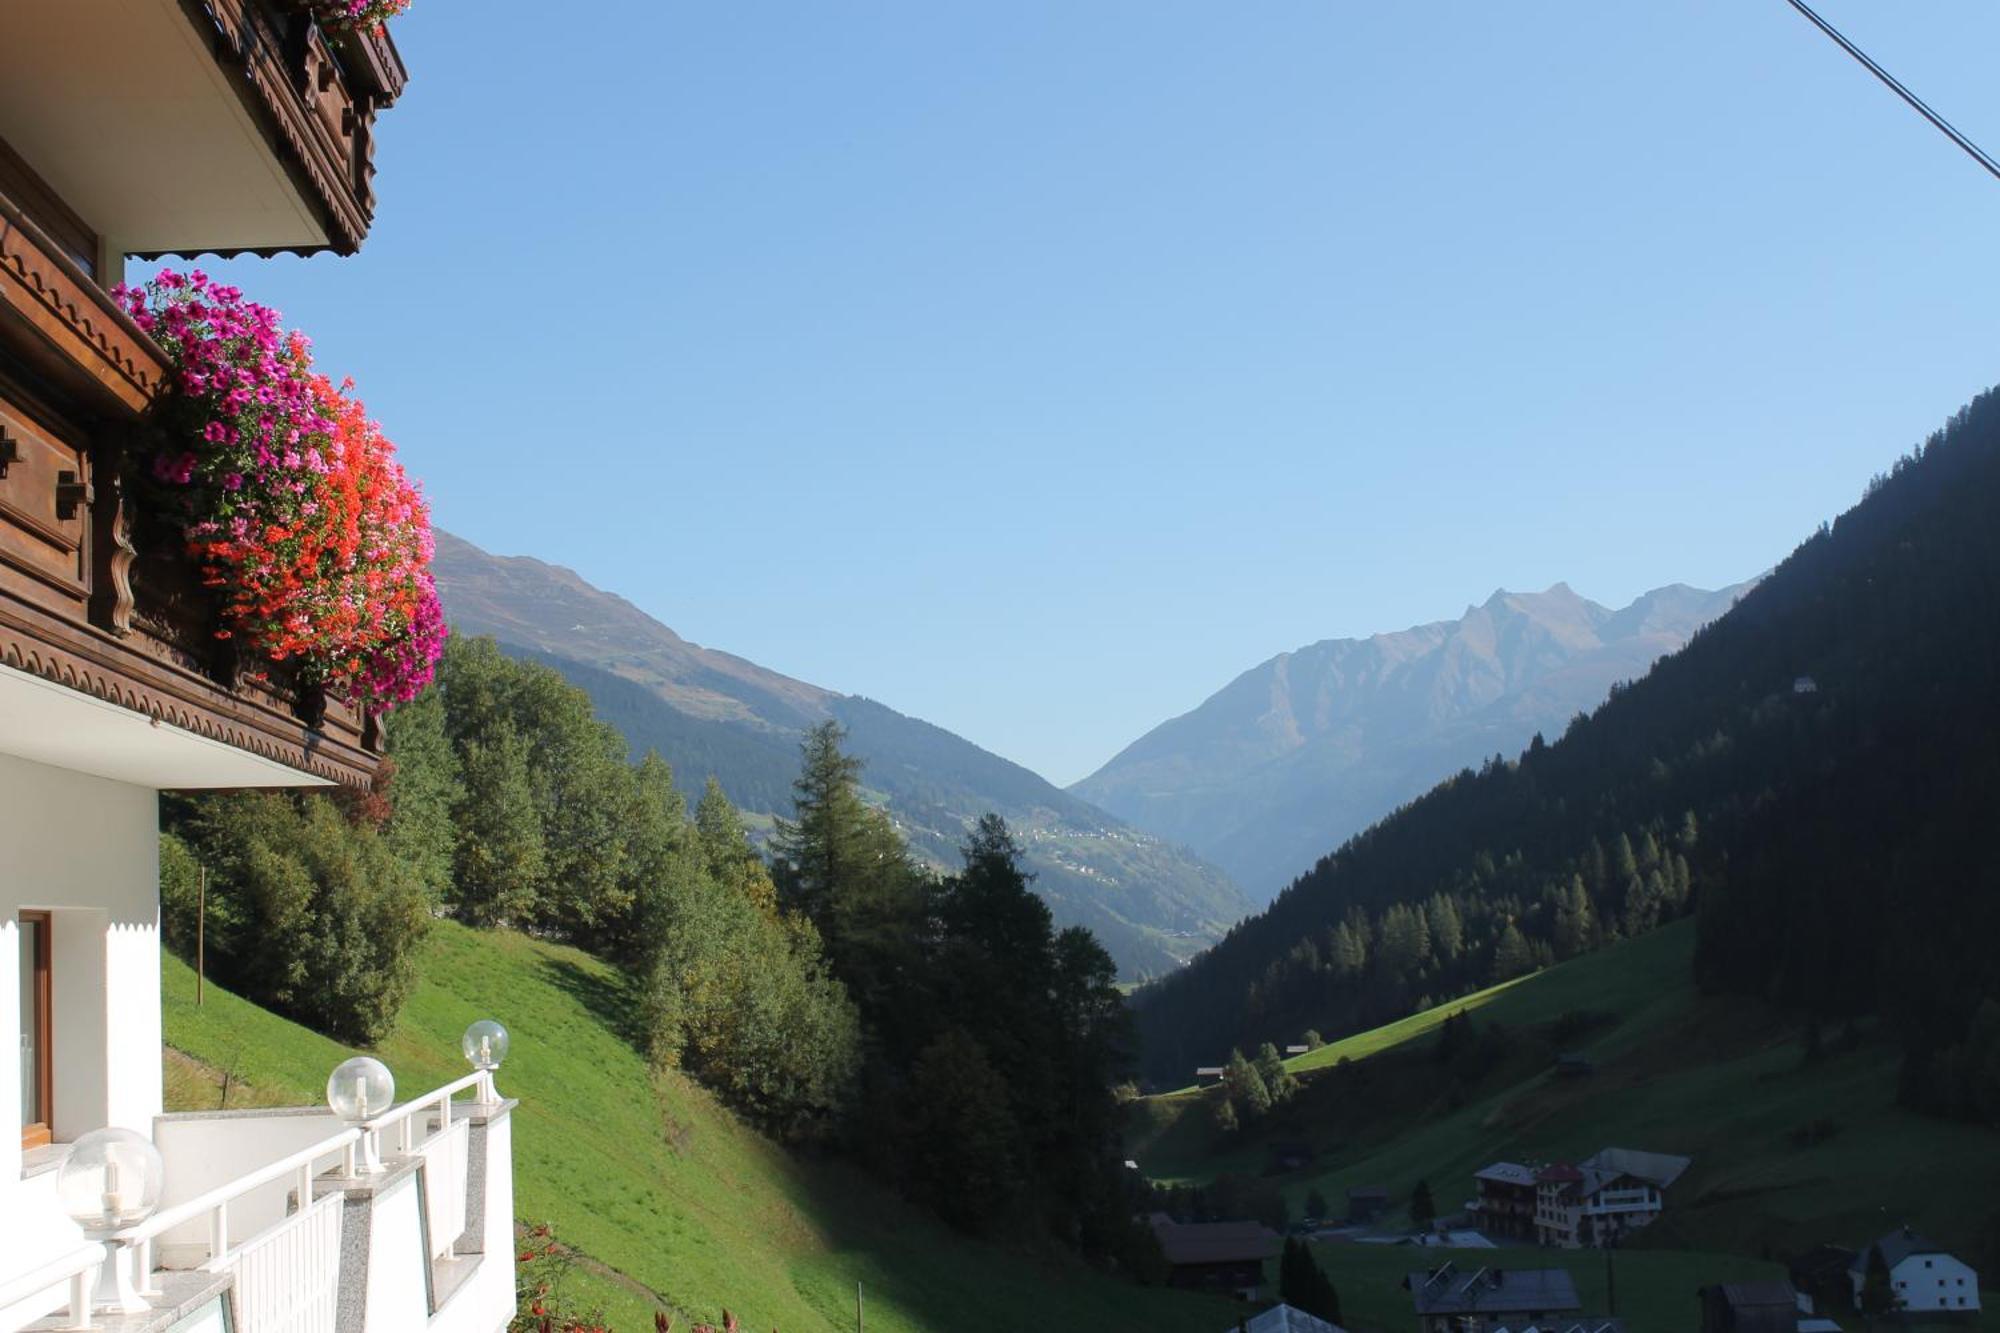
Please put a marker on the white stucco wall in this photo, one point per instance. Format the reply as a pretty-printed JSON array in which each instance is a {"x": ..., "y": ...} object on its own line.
[
  {"x": 1934, "y": 1282},
  {"x": 86, "y": 850}
]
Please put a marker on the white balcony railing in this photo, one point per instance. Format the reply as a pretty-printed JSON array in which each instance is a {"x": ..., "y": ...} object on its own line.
[{"x": 279, "y": 1242}]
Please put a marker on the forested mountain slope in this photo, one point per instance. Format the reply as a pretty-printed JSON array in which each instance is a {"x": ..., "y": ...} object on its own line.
[
  {"x": 1149, "y": 902},
  {"x": 1813, "y": 775},
  {"x": 1303, "y": 750}
]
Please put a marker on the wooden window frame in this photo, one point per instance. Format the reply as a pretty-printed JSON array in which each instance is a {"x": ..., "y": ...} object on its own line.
[{"x": 40, "y": 1134}]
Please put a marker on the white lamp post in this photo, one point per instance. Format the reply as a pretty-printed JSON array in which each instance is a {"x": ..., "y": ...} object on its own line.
[
  {"x": 111, "y": 1180},
  {"x": 358, "y": 1090},
  {"x": 485, "y": 1046}
]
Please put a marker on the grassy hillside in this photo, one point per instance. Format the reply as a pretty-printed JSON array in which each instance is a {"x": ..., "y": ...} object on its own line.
[
  {"x": 1723, "y": 1081},
  {"x": 653, "y": 1179}
]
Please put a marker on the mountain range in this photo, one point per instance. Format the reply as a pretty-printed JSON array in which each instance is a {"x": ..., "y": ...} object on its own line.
[
  {"x": 1292, "y": 757},
  {"x": 1150, "y": 902}
]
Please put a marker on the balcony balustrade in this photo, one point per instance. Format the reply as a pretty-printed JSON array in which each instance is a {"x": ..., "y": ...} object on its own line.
[{"x": 310, "y": 1239}]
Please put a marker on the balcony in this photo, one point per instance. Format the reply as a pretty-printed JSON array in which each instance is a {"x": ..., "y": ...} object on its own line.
[
  {"x": 181, "y": 126},
  {"x": 109, "y": 663},
  {"x": 295, "y": 1223}
]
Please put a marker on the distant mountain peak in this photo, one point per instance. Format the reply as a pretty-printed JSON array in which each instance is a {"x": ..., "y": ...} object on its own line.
[{"x": 1312, "y": 745}]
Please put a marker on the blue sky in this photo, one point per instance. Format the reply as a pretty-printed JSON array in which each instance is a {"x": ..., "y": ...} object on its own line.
[{"x": 1034, "y": 368}]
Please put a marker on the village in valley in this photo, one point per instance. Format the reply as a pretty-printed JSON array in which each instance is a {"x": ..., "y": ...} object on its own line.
[{"x": 1595, "y": 1205}]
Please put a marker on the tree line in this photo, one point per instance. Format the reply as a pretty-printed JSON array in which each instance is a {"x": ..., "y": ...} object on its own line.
[
  {"x": 1810, "y": 777},
  {"x": 937, "y": 1027}
]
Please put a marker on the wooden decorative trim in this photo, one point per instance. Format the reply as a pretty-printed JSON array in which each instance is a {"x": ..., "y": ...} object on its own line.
[
  {"x": 74, "y": 315},
  {"x": 158, "y": 690},
  {"x": 112, "y": 603}
]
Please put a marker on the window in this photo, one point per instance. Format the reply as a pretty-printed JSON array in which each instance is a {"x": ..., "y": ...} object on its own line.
[{"x": 37, "y": 1066}]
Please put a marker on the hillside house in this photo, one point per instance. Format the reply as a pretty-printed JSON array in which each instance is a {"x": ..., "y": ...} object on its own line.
[
  {"x": 1504, "y": 1208},
  {"x": 1485, "y": 1300},
  {"x": 1749, "y": 1307},
  {"x": 1216, "y": 1256},
  {"x": 151, "y": 127},
  {"x": 1599, "y": 1200},
  {"x": 1927, "y": 1281}
]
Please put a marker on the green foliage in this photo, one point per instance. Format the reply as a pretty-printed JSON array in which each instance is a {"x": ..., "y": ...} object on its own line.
[
  {"x": 1246, "y": 1087},
  {"x": 313, "y": 915},
  {"x": 842, "y": 865},
  {"x": 732, "y": 991},
  {"x": 966, "y": 1147},
  {"x": 420, "y": 780},
  {"x": 1277, "y": 1079},
  {"x": 546, "y": 785},
  {"x": 499, "y": 857}
]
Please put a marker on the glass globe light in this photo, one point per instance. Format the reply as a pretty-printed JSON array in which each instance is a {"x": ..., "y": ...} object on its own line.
[
  {"x": 360, "y": 1089},
  {"x": 484, "y": 1044},
  {"x": 111, "y": 1179}
]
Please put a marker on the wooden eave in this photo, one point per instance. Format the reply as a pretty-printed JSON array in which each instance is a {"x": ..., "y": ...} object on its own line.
[{"x": 316, "y": 94}]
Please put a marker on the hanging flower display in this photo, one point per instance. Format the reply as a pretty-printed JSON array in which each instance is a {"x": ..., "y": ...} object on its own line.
[
  {"x": 356, "y": 13},
  {"x": 289, "y": 498}
]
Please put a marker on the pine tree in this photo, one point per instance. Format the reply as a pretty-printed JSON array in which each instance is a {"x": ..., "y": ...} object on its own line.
[
  {"x": 1226, "y": 1121},
  {"x": 1423, "y": 1211},
  {"x": 1878, "y": 1296},
  {"x": 1512, "y": 956},
  {"x": 844, "y": 866}
]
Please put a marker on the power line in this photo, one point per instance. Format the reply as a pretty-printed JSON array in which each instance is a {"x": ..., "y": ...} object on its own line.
[{"x": 1950, "y": 131}]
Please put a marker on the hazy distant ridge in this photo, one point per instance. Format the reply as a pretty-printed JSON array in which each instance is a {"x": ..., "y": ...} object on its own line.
[
  {"x": 709, "y": 712},
  {"x": 1286, "y": 761}
]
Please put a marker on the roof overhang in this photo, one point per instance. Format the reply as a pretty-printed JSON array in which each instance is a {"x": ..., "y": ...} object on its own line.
[
  {"x": 47, "y": 723},
  {"x": 182, "y": 126}
]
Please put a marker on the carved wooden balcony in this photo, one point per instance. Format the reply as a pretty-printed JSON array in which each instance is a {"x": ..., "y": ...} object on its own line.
[{"x": 93, "y": 598}]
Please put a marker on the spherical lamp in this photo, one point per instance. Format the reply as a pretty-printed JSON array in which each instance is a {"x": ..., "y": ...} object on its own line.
[
  {"x": 484, "y": 1044},
  {"x": 358, "y": 1090},
  {"x": 111, "y": 1179}
]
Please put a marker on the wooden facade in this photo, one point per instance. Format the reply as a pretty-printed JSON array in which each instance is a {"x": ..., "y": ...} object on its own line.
[{"x": 93, "y": 596}]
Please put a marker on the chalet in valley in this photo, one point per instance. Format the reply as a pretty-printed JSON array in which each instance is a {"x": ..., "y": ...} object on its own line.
[
  {"x": 1597, "y": 1201},
  {"x": 1505, "y": 1206},
  {"x": 1924, "y": 1279},
  {"x": 1216, "y": 1256}
]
